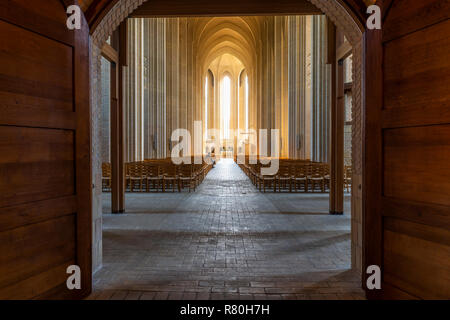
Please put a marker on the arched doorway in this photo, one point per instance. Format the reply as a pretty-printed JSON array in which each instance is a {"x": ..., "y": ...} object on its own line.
[{"x": 343, "y": 18}]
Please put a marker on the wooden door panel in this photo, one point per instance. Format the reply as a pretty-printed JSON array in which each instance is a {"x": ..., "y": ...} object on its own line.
[
  {"x": 408, "y": 146},
  {"x": 415, "y": 73},
  {"x": 417, "y": 258},
  {"x": 416, "y": 164},
  {"x": 35, "y": 71},
  {"x": 35, "y": 248},
  {"x": 43, "y": 17},
  {"x": 409, "y": 16},
  {"x": 36, "y": 211},
  {"x": 37, "y": 286},
  {"x": 45, "y": 219},
  {"x": 38, "y": 164}
]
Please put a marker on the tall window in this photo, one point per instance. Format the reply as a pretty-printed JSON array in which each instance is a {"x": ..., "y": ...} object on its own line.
[
  {"x": 225, "y": 103},
  {"x": 206, "y": 107},
  {"x": 246, "y": 103}
]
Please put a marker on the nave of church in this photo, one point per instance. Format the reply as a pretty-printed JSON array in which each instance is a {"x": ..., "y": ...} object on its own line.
[{"x": 247, "y": 90}]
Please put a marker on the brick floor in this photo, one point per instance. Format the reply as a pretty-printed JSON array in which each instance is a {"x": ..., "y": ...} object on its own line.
[{"x": 226, "y": 241}]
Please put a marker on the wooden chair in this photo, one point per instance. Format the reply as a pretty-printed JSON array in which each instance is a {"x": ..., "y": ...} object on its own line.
[
  {"x": 254, "y": 171},
  {"x": 187, "y": 177},
  {"x": 153, "y": 177},
  {"x": 170, "y": 177},
  {"x": 266, "y": 181},
  {"x": 300, "y": 178},
  {"x": 134, "y": 176},
  {"x": 199, "y": 173},
  {"x": 284, "y": 178},
  {"x": 327, "y": 176},
  {"x": 317, "y": 178},
  {"x": 106, "y": 177}
]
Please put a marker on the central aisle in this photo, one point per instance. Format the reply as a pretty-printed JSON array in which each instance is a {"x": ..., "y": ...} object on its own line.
[{"x": 227, "y": 240}]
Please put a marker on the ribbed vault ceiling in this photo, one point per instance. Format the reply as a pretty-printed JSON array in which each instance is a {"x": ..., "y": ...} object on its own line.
[{"x": 233, "y": 36}]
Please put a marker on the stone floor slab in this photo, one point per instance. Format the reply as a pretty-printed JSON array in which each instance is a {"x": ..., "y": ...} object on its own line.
[{"x": 226, "y": 241}]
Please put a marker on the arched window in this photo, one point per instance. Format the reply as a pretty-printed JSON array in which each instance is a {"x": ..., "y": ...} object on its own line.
[
  {"x": 206, "y": 107},
  {"x": 246, "y": 103},
  {"x": 225, "y": 104}
]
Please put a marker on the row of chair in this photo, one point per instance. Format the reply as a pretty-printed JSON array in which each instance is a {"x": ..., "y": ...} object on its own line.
[
  {"x": 158, "y": 176},
  {"x": 294, "y": 176}
]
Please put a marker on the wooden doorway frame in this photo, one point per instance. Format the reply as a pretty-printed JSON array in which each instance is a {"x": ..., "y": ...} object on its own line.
[
  {"x": 342, "y": 12},
  {"x": 114, "y": 53}
]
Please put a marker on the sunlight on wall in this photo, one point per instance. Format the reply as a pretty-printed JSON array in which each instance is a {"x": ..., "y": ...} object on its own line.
[
  {"x": 206, "y": 108},
  {"x": 246, "y": 103},
  {"x": 225, "y": 103}
]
